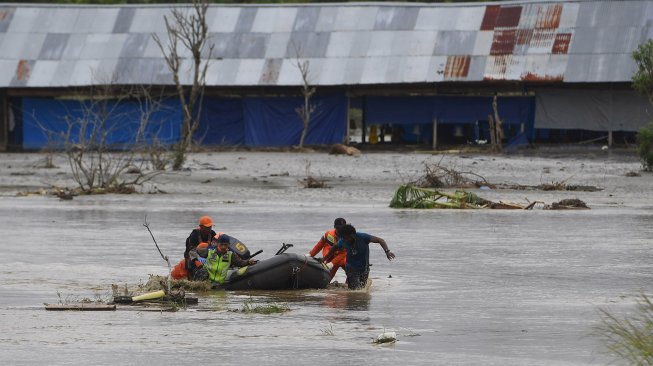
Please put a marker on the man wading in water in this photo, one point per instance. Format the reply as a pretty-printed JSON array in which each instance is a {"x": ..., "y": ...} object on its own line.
[{"x": 358, "y": 254}]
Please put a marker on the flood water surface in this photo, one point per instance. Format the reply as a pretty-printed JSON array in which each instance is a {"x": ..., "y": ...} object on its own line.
[{"x": 486, "y": 287}]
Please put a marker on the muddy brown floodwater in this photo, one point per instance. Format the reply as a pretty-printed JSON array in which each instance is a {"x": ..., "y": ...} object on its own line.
[{"x": 483, "y": 287}]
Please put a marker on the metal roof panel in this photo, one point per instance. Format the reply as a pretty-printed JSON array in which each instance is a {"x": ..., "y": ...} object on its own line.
[
  {"x": 84, "y": 21},
  {"x": 355, "y": 18},
  {"x": 62, "y": 77},
  {"x": 270, "y": 72},
  {"x": 326, "y": 22},
  {"x": 470, "y": 18},
  {"x": 289, "y": 73},
  {"x": 418, "y": 43},
  {"x": 249, "y": 72},
  {"x": 340, "y": 44},
  {"x": 354, "y": 70},
  {"x": 375, "y": 70},
  {"x": 307, "y": 45},
  {"x": 150, "y": 20},
  {"x": 483, "y": 43},
  {"x": 361, "y": 44},
  {"x": 86, "y": 73},
  {"x": 436, "y": 69},
  {"x": 569, "y": 15},
  {"x": 245, "y": 19},
  {"x": 124, "y": 20},
  {"x": 23, "y": 73},
  {"x": 56, "y": 20},
  {"x": 396, "y": 18},
  {"x": 22, "y": 45},
  {"x": 274, "y": 20},
  {"x": 455, "y": 43},
  {"x": 74, "y": 46},
  {"x": 578, "y": 67},
  {"x": 104, "y": 20},
  {"x": 6, "y": 15},
  {"x": 7, "y": 71},
  {"x": 476, "y": 68},
  {"x": 222, "y": 72},
  {"x": 333, "y": 71},
  {"x": 252, "y": 45},
  {"x": 134, "y": 45},
  {"x": 23, "y": 20},
  {"x": 225, "y": 20},
  {"x": 53, "y": 46},
  {"x": 380, "y": 44},
  {"x": 306, "y": 19},
  {"x": 42, "y": 73},
  {"x": 103, "y": 45},
  {"x": 277, "y": 45},
  {"x": 437, "y": 18},
  {"x": 415, "y": 69}
]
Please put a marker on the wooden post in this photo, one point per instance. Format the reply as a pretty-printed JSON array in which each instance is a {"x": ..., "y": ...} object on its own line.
[
  {"x": 346, "y": 142},
  {"x": 4, "y": 122},
  {"x": 435, "y": 134},
  {"x": 364, "y": 117}
]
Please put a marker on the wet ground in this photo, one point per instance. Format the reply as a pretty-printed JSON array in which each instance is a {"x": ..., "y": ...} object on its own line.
[{"x": 487, "y": 287}]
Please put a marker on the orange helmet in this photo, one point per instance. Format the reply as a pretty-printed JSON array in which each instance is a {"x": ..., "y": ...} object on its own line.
[{"x": 206, "y": 221}]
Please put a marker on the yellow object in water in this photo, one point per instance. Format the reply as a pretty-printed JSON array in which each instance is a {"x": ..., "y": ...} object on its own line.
[
  {"x": 149, "y": 296},
  {"x": 374, "y": 134}
]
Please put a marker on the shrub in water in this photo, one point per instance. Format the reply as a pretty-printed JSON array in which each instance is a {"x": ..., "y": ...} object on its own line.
[{"x": 645, "y": 146}]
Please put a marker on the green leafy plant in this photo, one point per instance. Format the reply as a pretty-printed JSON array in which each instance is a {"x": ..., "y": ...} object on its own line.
[
  {"x": 409, "y": 196},
  {"x": 643, "y": 76},
  {"x": 645, "y": 146},
  {"x": 631, "y": 337}
]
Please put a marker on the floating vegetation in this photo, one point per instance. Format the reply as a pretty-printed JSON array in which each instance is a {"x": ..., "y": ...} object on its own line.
[
  {"x": 249, "y": 307},
  {"x": 409, "y": 196},
  {"x": 328, "y": 331}
]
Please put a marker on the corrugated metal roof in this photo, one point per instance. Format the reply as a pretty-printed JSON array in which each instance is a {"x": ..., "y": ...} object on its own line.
[{"x": 346, "y": 43}]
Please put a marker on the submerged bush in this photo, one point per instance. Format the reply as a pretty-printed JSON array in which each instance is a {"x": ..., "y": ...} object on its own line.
[
  {"x": 645, "y": 146},
  {"x": 630, "y": 338}
]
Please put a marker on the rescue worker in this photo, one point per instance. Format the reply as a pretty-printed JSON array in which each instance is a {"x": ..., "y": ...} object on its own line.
[
  {"x": 329, "y": 239},
  {"x": 199, "y": 237},
  {"x": 358, "y": 254},
  {"x": 219, "y": 259}
]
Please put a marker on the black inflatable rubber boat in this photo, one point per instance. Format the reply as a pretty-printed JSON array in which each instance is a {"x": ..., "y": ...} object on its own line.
[{"x": 281, "y": 272}]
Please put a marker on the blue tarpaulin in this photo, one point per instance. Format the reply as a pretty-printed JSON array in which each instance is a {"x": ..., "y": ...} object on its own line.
[
  {"x": 221, "y": 122},
  {"x": 275, "y": 122},
  {"x": 46, "y": 121}
]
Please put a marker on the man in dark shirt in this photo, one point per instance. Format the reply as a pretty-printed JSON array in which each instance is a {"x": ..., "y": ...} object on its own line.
[{"x": 358, "y": 254}]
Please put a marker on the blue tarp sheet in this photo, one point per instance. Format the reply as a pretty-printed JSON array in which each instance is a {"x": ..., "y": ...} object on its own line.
[
  {"x": 221, "y": 122},
  {"x": 224, "y": 121},
  {"x": 45, "y": 120},
  {"x": 275, "y": 122}
]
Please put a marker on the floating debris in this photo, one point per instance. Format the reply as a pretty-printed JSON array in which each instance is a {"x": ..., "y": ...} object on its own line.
[
  {"x": 409, "y": 196},
  {"x": 80, "y": 307},
  {"x": 386, "y": 337}
]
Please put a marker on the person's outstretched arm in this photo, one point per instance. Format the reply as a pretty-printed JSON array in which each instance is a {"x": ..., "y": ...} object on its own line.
[{"x": 375, "y": 239}]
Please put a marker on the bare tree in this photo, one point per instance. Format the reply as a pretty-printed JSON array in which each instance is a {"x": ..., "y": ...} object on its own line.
[
  {"x": 97, "y": 163},
  {"x": 496, "y": 127},
  {"x": 305, "y": 111},
  {"x": 187, "y": 29}
]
